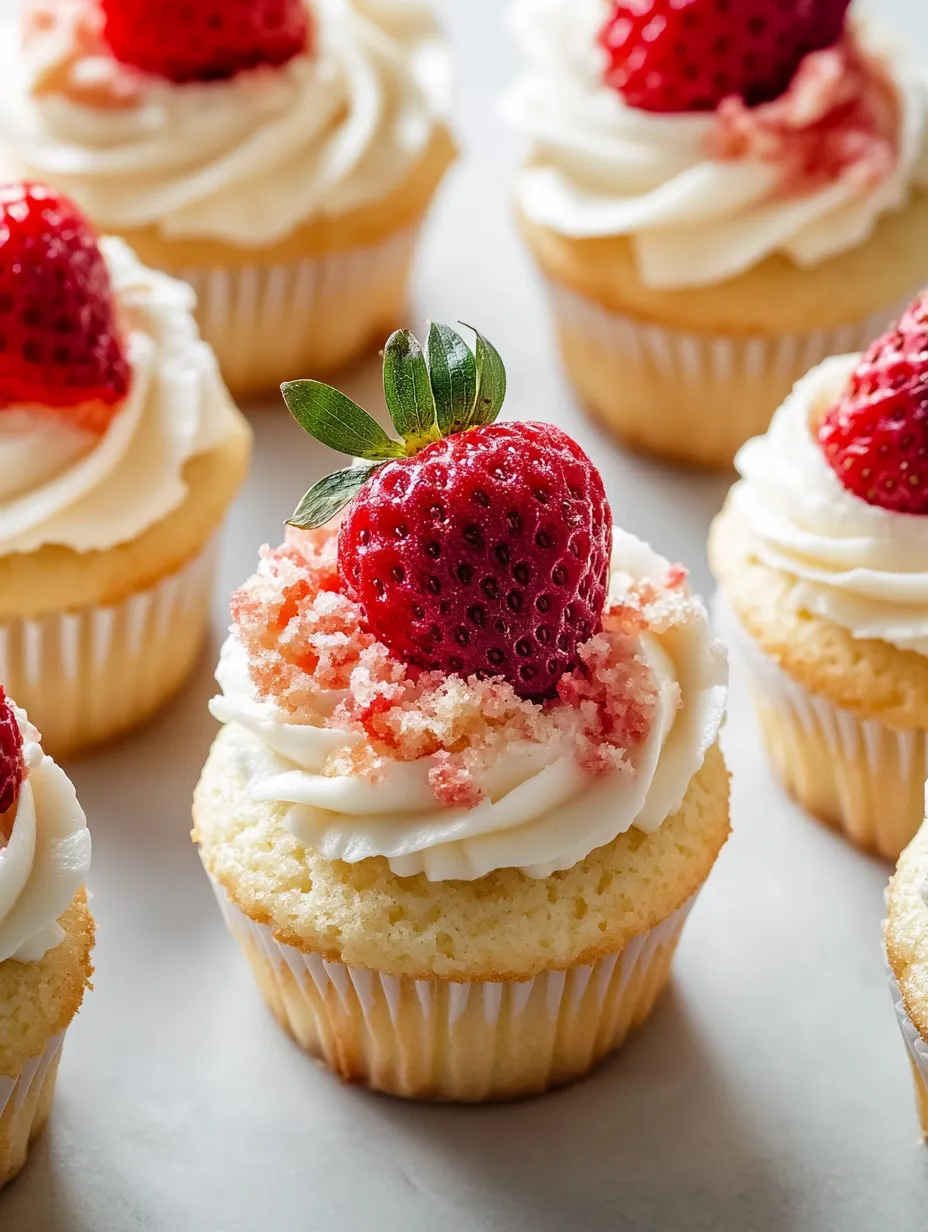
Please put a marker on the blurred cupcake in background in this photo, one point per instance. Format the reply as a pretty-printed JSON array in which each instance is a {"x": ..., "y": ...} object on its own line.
[
  {"x": 120, "y": 451},
  {"x": 905, "y": 935},
  {"x": 46, "y": 929},
  {"x": 821, "y": 554},
  {"x": 278, "y": 155},
  {"x": 468, "y": 784},
  {"x": 719, "y": 197}
]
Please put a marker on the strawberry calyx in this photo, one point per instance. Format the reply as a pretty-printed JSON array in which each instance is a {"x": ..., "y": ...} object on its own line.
[{"x": 431, "y": 393}]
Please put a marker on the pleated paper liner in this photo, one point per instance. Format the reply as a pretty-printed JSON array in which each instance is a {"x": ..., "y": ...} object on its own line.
[
  {"x": 690, "y": 397},
  {"x": 916, "y": 1048},
  {"x": 272, "y": 323},
  {"x": 25, "y": 1102},
  {"x": 458, "y": 1041},
  {"x": 89, "y": 675},
  {"x": 857, "y": 775}
]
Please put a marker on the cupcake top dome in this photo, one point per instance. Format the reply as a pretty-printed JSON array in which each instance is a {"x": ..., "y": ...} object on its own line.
[
  {"x": 473, "y": 671},
  {"x": 714, "y": 136},
  {"x": 234, "y": 122},
  {"x": 835, "y": 495},
  {"x": 106, "y": 390},
  {"x": 44, "y": 841}
]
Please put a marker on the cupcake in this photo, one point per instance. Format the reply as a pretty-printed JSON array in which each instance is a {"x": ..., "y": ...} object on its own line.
[
  {"x": 120, "y": 450},
  {"x": 821, "y": 554},
  {"x": 905, "y": 933},
  {"x": 280, "y": 156},
  {"x": 468, "y": 783},
  {"x": 718, "y": 197},
  {"x": 46, "y": 930}
]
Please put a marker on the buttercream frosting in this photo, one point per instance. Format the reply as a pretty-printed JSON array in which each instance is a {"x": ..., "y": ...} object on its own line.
[
  {"x": 250, "y": 159},
  {"x": 541, "y": 811},
  {"x": 859, "y": 565},
  {"x": 62, "y": 485},
  {"x": 46, "y": 858},
  {"x": 598, "y": 167}
]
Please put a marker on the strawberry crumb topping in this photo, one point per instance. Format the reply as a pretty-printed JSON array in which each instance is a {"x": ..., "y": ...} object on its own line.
[
  {"x": 310, "y": 656},
  {"x": 838, "y": 119}
]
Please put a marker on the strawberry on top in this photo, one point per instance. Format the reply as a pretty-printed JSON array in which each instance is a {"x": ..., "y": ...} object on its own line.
[
  {"x": 689, "y": 55},
  {"x": 875, "y": 437},
  {"x": 472, "y": 547},
  {"x": 12, "y": 764},
  {"x": 60, "y": 343},
  {"x": 204, "y": 40}
]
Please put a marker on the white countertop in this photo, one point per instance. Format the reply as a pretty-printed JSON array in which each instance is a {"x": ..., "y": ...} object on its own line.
[{"x": 770, "y": 1091}]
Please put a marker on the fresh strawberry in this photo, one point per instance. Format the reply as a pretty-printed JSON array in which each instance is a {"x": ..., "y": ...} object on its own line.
[
  {"x": 687, "y": 55},
  {"x": 473, "y": 548},
  {"x": 875, "y": 437},
  {"x": 12, "y": 766},
  {"x": 59, "y": 342},
  {"x": 205, "y": 40}
]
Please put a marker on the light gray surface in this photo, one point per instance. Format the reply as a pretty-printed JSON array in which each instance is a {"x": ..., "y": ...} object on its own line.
[{"x": 770, "y": 1090}]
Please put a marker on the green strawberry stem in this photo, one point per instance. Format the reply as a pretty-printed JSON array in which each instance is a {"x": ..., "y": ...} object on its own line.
[{"x": 430, "y": 394}]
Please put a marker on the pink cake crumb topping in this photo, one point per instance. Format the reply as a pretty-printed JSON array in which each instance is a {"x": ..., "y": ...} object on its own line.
[
  {"x": 839, "y": 119},
  {"x": 309, "y": 655}
]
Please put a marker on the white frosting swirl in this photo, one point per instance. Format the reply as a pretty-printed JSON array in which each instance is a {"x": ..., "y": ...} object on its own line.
[
  {"x": 542, "y": 812},
  {"x": 46, "y": 859},
  {"x": 598, "y": 167},
  {"x": 64, "y": 486},
  {"x": 861, "y": 566},
  {"x": 250, "y": 159}
]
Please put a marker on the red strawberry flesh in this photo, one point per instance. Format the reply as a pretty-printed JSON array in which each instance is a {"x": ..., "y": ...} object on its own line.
[
  {"x": 60, "y": 345},
  {"x": 205, "y": 40},
  {"x": 688, "y": 55},
  {"x": 875, "y": 437},
  {"x": 487, "y": 553}
]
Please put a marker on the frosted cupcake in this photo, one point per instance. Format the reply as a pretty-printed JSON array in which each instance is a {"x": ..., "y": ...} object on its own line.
[
  {"x": 46, "y": 930},
  {"x": 120, "y": 450},
  {"x": 718, "y": 200},
  {"x": 277, "y": 155},
  {"x": 468, "y": 784},
  {"x": 822, "y": 557},
  {"x": 905, "y": 932}
]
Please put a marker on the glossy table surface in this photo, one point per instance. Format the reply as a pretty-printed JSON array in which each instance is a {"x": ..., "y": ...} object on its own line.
[{"x": 769, "y": 1092}]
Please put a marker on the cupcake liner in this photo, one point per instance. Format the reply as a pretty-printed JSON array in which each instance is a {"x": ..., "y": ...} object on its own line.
[
  {"x": 857, "y": 775},
  {"x": 269, "y": 323},
  {"x": 25, "y": 1102},
  {"x": 461, "y": 1041},
  {"x": 916, "y": 1048},
  {"x": 87, "y": 675},
  {"x": 692, "y": 396}
]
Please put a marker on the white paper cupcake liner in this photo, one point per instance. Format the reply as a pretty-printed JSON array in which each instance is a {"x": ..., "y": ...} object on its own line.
[
  {"x": 269, "y": 323},
  {"x": 856, "y": 774},
  {"x": 694, "y": 396},
  {"x": 86, "y": 675},
  {"x": 683, "y": 357},
  {"x": 467, "y": 1041},
  {"x": 24, "y": 1104}
]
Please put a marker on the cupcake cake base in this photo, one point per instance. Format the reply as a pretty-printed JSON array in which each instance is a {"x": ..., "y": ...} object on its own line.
[{"x": 448, "y": 991}]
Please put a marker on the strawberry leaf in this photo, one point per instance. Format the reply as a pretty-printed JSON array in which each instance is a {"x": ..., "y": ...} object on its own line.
[
  {"x": 338, "y": 422},
  {"x": 325, "y": 498},
  {"x": 453, "y": 373},
  {"x": 408, "y": 391},
  {"x": 491, "y": 383}
]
